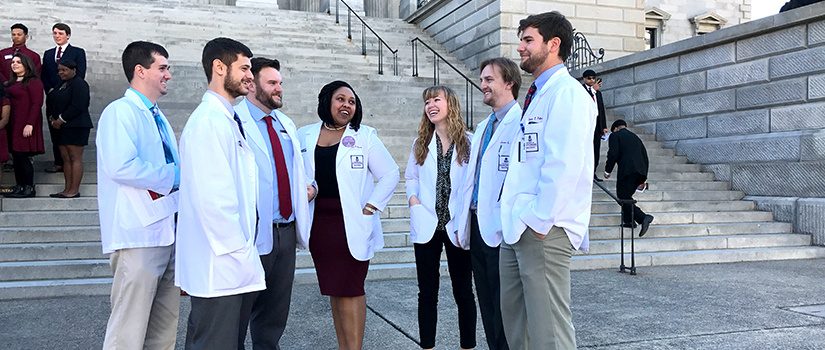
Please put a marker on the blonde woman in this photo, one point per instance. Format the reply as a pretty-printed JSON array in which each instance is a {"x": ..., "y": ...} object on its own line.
[{"x": 438, "y": 162}]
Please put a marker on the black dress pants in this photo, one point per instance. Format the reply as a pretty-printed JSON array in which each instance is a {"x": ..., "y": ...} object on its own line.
[
  {"x": 597, "y": 145},
  {"x": 427, "y": 263},
  {"x": 625, "y": 188},
  {"x": 488, "y": 286},
  {"x": 23, "y": 168}
]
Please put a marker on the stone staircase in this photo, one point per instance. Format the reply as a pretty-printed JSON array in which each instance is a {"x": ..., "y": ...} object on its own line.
[{"x": 51, "y": 247}]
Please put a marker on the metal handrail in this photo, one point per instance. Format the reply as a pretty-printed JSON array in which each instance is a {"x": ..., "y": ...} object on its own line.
[
  {"x": 364, "y": 26},
  {"x": 581, "y": 54},
  {"x": 468, "y": 118},
  {"x": 620, "y": 202}
]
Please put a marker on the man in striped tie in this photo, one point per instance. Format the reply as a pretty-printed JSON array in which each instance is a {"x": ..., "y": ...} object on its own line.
[{"x": 545, "y": 201}]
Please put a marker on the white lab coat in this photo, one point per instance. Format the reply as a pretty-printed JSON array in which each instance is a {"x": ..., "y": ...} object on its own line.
[
  {"x": 298, "y": 183},
  {"x": 357, "y": 167},
  {"x": 421, "y": 182},
  {"x": 130, "y": 156},
  {"x": 494, "y": 165},
  {"x": 553, "y": 185},
  {"x": 216, "y": 254}
]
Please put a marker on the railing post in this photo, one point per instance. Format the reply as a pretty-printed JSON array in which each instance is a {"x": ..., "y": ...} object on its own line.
[
  {"x": 363, "y": 39},
  {"x": 380, "y": 59},
  {"x": 395, "y": 65},
  {"x": 349, "y": 25},
  {"x": 336, "y": 12},
  {"x": 414, "y": 59},
  {"x": 435, "y": 69}
]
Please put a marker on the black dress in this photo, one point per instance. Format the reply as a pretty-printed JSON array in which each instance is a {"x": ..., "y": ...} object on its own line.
[
  {"x": 70, "y": 101},
  {"x": 339, "y": 274}
]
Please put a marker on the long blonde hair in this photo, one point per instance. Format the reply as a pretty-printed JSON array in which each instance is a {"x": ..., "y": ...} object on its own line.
[{"x": 456, "y": 129}]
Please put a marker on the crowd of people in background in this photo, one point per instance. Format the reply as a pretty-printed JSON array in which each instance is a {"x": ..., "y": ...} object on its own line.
[
  {"x": 219, "y": 215},
  {"x": 25, "y": 83}
]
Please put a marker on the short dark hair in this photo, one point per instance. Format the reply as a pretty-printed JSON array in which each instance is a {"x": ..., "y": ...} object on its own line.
[
  {"x": 509, "y": 72},
  {"x": 20, "y": 26},
  {"x": 551, "y": 24},
  {"x": 223, "y": 49},
  {"x": 259, "y": 63},
  {"x": 617, "y": 123},
  {"x": 325, "y": 102},
  {"x": 140, "y": 53},
  {"x": 62, "y": 26}
]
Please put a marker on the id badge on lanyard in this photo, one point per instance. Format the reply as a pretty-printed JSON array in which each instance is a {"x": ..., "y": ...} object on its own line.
[{"x": 522, "y": 142}]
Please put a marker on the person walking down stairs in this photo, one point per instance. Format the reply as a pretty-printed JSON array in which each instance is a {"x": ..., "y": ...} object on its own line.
[{"x": 628, "y": 151}]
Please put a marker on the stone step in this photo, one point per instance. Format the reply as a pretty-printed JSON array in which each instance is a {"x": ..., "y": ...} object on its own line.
[
  {"x": 56, "y": 234},
  {"x": 589, "y": 262},
  {"x": 680, "y": 218},
  {"x": 670, "y": 244},
  {"x": 54, "y": 269},
  {"x": 42, "y": 177},
  {"x": 694, "y": 230},
  {"x": 678, "y": 206},
  {"x": 48, "y": 204},
  {"x": 49, "y": 218},
  {"x": 55, "y": 288},
  {"x": 655, "y": 196},
  {"x": 51, "y": 251}
]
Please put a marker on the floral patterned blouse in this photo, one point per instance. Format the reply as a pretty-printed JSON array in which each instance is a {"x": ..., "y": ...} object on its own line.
[{"x": 442, "y": 185}]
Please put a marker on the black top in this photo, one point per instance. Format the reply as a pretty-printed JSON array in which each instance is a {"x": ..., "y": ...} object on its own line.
[
  {"x": 325, "y": 176},
  {"x": 442, "y": 185},
  {"x": 628, "y": 151},
  {"x": 70, "y": 101}
]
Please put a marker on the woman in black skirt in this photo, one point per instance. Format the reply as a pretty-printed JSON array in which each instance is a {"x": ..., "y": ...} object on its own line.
[
  {"x": 344, "y": 157},
  {"x": 68, "y": 111}
]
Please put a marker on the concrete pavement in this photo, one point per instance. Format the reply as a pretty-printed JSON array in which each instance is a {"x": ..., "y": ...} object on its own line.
[{"x": 715, "y": 306}]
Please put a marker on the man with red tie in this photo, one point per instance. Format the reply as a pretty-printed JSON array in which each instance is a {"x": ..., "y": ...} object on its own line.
[
  {"x": 283, "y": 196},
  {"x": 61, "y": 32},
  {"x": 19, "y": 36}
]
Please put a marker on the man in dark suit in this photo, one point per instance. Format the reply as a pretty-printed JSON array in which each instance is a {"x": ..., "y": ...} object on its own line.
[
  {"x": 628, "y": 151},
  {"x": 61, "y": 34},
  {"x": 592, "y": 88}
]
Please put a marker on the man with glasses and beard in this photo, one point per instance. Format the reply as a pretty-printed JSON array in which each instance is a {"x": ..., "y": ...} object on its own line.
[
  {"x": 217, "y": 262},
  {"x": 283, "y": 210}
]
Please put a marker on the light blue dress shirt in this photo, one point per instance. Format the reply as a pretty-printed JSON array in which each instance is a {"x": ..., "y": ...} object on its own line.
[
  {"x": 286, "y": 145},
  {"x": 150, "y": 105}
]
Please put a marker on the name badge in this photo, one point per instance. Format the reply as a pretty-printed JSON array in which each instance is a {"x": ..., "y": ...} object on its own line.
[
  {"x": 8, "y": 57},
  {"x": 503, "y": 162},
  {"x": 531, "y": 142},
  {"x": 357, "y": 161}
]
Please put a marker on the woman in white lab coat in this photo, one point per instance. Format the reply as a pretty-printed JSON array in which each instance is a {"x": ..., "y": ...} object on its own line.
[
  {"x": 437, "y": 164},
  {"x": 344, "y": 157}
]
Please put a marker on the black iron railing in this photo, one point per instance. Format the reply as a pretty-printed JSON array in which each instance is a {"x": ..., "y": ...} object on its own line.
[
  {"x": 581, "y": 55},
  {"x": 621, "y": 203},
  {"x": 364, "y": 27},
  {"x": 468, "y": 83}
]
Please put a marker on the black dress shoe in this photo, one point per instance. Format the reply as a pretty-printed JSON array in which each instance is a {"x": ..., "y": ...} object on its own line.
[
  {"x": 27, "y": 192},
  {"x": 16, "y": 190},
  {"x": 630, "y": 225},
  {"x": 645, "y": 225},
  {"x": 597, "y": 178},
  {"x": 54, "y": 169}
]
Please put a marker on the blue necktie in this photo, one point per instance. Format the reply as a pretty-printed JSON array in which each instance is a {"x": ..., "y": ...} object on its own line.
[
  {"x": 167, "y": 149},
  {"x": 238, "y": 120},
  {"x": 488, "y": 134}
]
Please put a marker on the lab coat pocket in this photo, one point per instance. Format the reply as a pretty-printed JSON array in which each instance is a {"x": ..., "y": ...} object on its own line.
[
  {"x": 418, "y": 214},
  {"x": 237, "y": 269},
  {"x": 521, "y": 202}
]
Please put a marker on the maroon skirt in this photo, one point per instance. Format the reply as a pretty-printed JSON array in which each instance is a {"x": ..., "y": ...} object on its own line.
[{"x": 339, "y": 274}]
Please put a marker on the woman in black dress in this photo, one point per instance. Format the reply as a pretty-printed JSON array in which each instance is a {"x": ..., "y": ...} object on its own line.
[
  {"x": 344, "y": 158},
  {"x": 68, "y": 111}
]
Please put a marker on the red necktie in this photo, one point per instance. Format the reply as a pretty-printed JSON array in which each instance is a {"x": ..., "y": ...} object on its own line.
[
  {"x": 284, "y": 195},
  {"x": 59, "y": 54},
  {"x": 527, "y": 99}
]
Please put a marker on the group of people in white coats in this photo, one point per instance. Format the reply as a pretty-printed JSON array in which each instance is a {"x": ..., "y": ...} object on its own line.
[
  {"x": 516, "y": 194},
  {"x": 221, "y": 217}
]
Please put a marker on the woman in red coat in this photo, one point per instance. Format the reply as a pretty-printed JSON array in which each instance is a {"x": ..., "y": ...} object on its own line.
[{"x": 26, "y": 123}]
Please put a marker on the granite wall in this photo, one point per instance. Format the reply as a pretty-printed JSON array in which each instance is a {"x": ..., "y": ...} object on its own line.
[{"x": 747, "y": 102}]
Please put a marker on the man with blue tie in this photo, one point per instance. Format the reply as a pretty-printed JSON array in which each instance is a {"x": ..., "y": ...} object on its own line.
[
  {"x": 61, "y": 32},
  {"x": 137, "y": 163},
  {"x": 283, "y": 210},
  {"x": 490, "y": 157}
]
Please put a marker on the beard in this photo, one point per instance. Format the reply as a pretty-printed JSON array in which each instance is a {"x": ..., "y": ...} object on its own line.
[
  {"x": 534, "y": 61},
  {"x": 235, "y": 87},
  {"x": 267, "y": 100}
]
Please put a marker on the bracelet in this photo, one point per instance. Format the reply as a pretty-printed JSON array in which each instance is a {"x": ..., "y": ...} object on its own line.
[{"x": 369, "y": 209}]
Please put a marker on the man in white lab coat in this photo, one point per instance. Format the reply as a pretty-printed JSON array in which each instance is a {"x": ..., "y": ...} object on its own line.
[
  {"x": 217, "y": 261},
  {"x": 283, "y": 208},
  {"x": 545, "y": 202},
  {"x": 137, "y": 167},
  {"x": 490, "y": 159}
]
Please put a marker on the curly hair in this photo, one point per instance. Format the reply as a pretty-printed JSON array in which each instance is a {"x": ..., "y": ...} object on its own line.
[{"x": 456, "y": 129}]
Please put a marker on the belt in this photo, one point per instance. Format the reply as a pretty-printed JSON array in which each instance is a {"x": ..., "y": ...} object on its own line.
[{"x": 282, "y": 224}]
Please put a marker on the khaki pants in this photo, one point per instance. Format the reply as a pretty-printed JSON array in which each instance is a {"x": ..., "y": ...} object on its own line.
[
  {"x": 535, "y": 292},
  {"x": 145, "y": 301}
]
